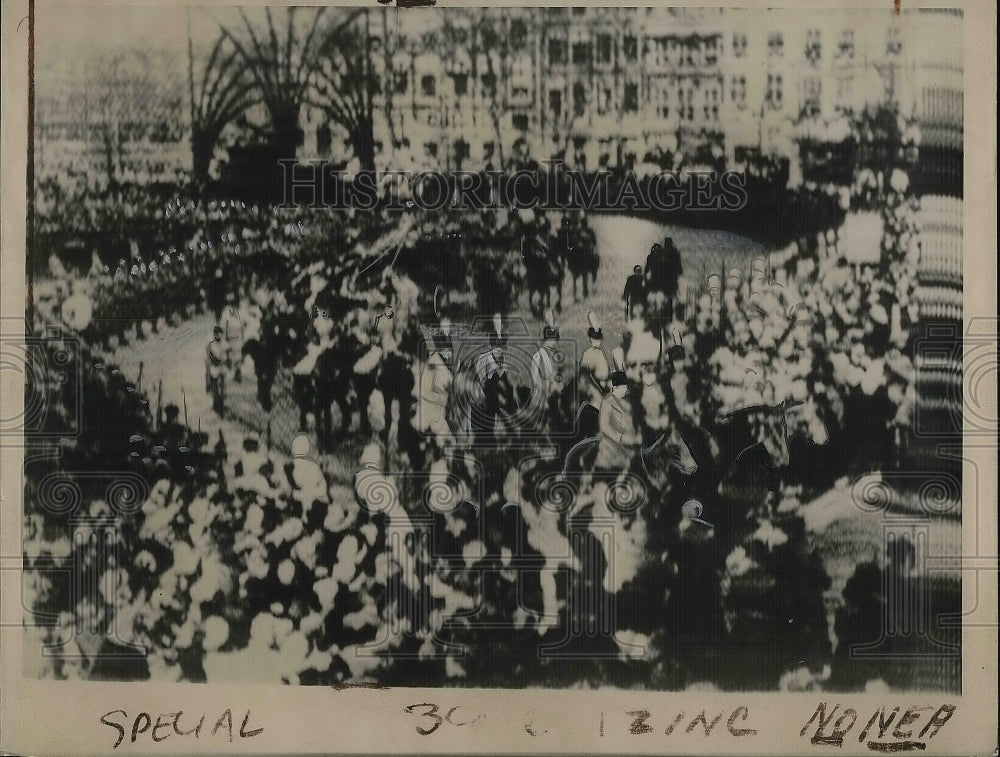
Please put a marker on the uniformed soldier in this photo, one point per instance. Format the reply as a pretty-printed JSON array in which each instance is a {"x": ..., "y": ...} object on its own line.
[
  {"x": 618, "y": 434},
  {"x": 497, "y": 391},
  {"x": 215, "y": 365},
  {"x": 546, "y": 379},
  {"x": 435, "y": 383},
  {"x": 594, "y": 368},
  {"x": 634, "y": 292}
]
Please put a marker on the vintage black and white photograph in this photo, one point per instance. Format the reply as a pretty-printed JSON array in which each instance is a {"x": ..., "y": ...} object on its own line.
[{"x": 397, "y": 345}]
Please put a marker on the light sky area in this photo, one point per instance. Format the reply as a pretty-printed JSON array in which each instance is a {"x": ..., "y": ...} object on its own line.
[{"x": 66, "y": 31}]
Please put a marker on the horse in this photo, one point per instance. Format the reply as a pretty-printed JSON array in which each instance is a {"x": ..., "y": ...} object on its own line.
[
  {"x": 543, "y": 274},
  {"x": 576, "y": 246},
  {"x": 333, "y": 380}
]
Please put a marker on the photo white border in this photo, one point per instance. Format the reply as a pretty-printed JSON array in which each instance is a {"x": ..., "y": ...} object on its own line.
[{"x": 44, "y": 717}]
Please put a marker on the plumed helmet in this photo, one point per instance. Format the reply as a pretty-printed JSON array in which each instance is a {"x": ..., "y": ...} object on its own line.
[
  {"x": 497, "y": 338},
  {"x": 594, "y": 331},
  {"x": 300, "y": 445},
  {"x": 550, "y": 331}
]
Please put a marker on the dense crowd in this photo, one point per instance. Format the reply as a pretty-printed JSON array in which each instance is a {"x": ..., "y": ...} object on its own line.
[{"x": 510, "y": 504}]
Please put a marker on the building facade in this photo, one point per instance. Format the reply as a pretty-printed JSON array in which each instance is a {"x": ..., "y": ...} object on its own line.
[
  {"x": 619, "y": 86},
  {"x": 613, "y": 86}
]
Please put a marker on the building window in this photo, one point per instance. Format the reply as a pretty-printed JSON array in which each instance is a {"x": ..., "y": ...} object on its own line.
[
  {"x": 739, "y": 44},
  {"x": 775, "y": 44},
  {"x": 663, "y": 103},
  {"x": 660, "y": 98},
  {"x": 518, "y": 34},
  {"x": 845, "y": 46},
  {"x": 579, "y": 99},
  {"x": 581, "y": 53},
  {"x": 603, "y": 101},
  {"x": 631, "y": 48},
  {"x": 845, "y": 94},
  {"x": 428, "y": 86},
  {"x": 555, "y": 102},
  {"x": 461, "y": 85},
  {"x": 431, "y": 148},
  {"x": 739, "y": 91},
  {"x": 557, "y": 52},
  {"x": 401, "y": 82},
  {"x": 686, "y": 101},
  {"x": 631, "y": 99},
  {"x": 893, "y": 41},
  {"x": 711, "y": 52},
  {"x": 814, "y": 45},
  {"x": 520, "y": 121},
  {"x": 604, "y": 48},
  {"x": 674, "y": 54},
  {"x": 811, "y": 88},
  {"x": 774, "y": 95},
  {"x": 489, "y": 81}
]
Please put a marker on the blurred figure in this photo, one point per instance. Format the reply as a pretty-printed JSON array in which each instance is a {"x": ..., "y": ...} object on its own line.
[
  {"x": 435, "y": 383},
  {"x": 251, "y": 316},
  {"x": 217, "y": 293},
  {"x": 266, "y": 358},
  {"x": 232, "y": 329},
  {"x": 672, "y": 270},
  {"x": 77, "y": 309},
  {"x": 594, "y": 368},
  {"x": 318, "y": 369},
  {"x": 634, "y": 292},
  {"x": 618, "y": 434},
  {"x": 305, "y": 476},
  {"x": 215, "y": 366},
  {"x": 547, "y": 381},
  {"x": 496, "y": 391},
  {"x": 654, "y": 268}
]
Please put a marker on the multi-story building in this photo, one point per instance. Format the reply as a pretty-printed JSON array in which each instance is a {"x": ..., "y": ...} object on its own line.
[
  {"x": 606, "y": 86},
  {"x": 622, "y": 86}
]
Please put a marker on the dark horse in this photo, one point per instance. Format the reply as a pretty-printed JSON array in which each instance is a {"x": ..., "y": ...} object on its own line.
[
  {"x": 575, "y": 243},
  {"x": 543, "y": 274},
  {"x": 333, "y": 381}
]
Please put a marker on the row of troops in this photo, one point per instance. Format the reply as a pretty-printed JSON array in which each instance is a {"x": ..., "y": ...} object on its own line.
[{"x": 449, "y": 385}]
